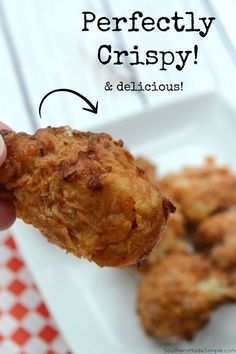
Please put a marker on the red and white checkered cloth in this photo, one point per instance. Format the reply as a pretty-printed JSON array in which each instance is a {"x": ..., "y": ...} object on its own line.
[{"x": 26, "y": 326}]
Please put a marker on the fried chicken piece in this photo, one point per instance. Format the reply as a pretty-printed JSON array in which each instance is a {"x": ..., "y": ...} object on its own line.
[
  {"x": 177, "y": 296},
  {"x": 217, "y": 236},
  {"x": 170, "y": 242},
  {"x": 85, "y": 193},
  {"x": 201, "y": 190}
]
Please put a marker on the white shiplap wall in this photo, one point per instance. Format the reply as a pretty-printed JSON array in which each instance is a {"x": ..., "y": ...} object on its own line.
[{"x": 42, "y": 48}]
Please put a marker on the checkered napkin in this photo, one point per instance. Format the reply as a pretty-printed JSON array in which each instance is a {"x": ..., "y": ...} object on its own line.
[{"x": 26, "y": 326}]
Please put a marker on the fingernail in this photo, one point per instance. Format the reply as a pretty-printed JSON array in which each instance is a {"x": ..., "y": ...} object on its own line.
[{"x": 2, "y": 145}]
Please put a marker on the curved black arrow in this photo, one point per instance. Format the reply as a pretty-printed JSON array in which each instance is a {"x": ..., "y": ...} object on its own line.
[{"x": 92, "y": 109}]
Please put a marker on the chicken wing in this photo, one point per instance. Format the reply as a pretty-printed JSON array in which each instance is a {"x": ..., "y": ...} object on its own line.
[
  {"x": 85, "y": 193},
  {"x": 177, "y": 296}
]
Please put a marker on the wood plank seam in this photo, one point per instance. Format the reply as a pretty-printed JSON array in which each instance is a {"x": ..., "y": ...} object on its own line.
[{"x": 16, "y": 65}]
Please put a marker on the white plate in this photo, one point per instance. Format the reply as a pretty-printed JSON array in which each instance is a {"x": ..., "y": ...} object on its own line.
[{"x": 94, "y": 307}]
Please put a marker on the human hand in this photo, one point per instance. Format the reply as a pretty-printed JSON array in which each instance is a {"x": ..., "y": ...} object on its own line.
[{"x": 7, "y": 209}]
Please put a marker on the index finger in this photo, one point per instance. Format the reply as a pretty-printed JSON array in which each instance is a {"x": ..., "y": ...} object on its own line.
[{"x": 3, "y": 149}]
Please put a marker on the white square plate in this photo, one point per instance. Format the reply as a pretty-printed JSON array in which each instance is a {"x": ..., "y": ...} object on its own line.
[{"x": 94, "y": 307}]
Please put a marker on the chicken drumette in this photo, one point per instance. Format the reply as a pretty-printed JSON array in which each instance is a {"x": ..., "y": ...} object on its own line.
[
  {"x": 85, "y": 193},
  {"x": 177, "y": 296}
]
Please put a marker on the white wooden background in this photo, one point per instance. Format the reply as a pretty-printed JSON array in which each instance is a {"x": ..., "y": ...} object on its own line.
[{"x": 42, "y": 48}]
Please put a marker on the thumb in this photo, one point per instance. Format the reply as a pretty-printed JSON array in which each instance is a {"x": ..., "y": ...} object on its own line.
[{"x": 3, "y": 151}]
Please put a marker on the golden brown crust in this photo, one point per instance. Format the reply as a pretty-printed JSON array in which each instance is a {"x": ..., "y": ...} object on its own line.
[
  {"x": 85, "y": 193},
  {"x": 170, "y": 242},
  {"x": 176, "y": 297},
  {"x": 217, "y": 236},
  {"x": 212, "y": 230}
]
